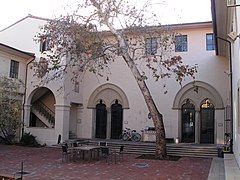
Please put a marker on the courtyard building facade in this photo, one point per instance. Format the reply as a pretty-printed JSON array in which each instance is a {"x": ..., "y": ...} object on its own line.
[
  {"x": 226, "y": 23},
  {"x": 95, "y": 107}
]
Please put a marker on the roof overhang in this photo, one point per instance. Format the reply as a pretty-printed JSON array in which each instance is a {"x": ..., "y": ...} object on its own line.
[
  {"x": 221, "y": 18},
  {"x": 16, "y": 52},
  {"x": 195, "y": 25}
]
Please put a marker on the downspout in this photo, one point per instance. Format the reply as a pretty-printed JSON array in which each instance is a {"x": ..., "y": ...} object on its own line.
[
  {"x": 25, "y": 90},
  {"x": 231, "y": 84}
]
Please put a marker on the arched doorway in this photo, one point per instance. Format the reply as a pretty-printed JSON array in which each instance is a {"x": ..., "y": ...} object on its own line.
[
  {"x": 116, "y": 120},
  {"x": 207, "y": 122},
  {"x": 42, "y": 113},
  {"x": 115, "y": 102},
  {"x": 188, "y": 122},
  {"x": 101, "y": 120},
  {"x": 208, "y": 112}
]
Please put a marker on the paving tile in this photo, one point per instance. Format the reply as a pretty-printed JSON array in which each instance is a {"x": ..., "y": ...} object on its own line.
[{"x": 46, "y": 163}]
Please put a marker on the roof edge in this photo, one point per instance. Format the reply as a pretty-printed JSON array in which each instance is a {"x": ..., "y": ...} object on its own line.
[
  {"x": 32, "y": 55},
  {"x": 190, "y": 24},
  {"x": 28, "y": 16}
]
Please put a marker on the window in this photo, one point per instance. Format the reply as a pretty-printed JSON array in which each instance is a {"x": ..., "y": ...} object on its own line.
[
  {"x": 210, "y": 42},
  {"x": 233, "y": 3},
  {"x": 44, "y": 45},
  {"x": 14, "y": 66},
  {"x": 127, "y": 42},
  {"x": 181, "y": 43},
  {"x": 76, "y": 87},
  {"x": 151, "y": 46}
]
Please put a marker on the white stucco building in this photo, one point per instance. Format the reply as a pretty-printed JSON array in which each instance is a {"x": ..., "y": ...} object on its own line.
[
  {"x": 100, "y": 108},
  {"x": 226, "y": 21}
]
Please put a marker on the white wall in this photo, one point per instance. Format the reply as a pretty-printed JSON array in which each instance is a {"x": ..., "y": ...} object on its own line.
[
  {"x": 236, "y": 86},
  {"x": 21, "y": 36},
  {"x": 5, "y": 61},
  {"x": 210, "y": 70}
]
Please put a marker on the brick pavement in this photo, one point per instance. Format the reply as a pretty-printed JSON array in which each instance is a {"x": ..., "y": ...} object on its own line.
[{"x": 46, "y": 163}]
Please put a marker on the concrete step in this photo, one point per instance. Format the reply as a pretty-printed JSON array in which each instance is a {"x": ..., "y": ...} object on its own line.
[
  {"x": 172, "y": 149},
  {"x": 42, "y": 118},
  {"x": 72, "y": 135}
]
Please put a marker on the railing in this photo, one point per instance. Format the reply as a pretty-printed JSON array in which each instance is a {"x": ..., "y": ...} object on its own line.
[{"x": 45, "y": 111}]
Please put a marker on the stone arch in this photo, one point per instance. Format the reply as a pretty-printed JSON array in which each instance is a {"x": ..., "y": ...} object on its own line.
[
  {"x": 39, "y": 89},
  {"x": 197, "y": 91},
  {"x": 42, "y": 112},
  {"x": 109, "y": 93}
]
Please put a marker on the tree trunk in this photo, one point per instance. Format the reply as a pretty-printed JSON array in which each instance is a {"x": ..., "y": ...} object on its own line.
[{"x": 156, "y": 116}]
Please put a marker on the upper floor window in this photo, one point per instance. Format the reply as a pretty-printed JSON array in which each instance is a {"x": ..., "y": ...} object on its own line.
[
  {"x": 151, "y": 46},
  {"x": 76, "y": 87},
  {"x": 14, "y": 66},
  {"x": 181, "y": 44},
  {"x": 44, "y": 45},
  {"x": 210, "y": 42}
]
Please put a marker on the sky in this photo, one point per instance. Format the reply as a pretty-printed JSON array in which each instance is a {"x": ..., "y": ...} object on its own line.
[{"x": 169, "y": 11}]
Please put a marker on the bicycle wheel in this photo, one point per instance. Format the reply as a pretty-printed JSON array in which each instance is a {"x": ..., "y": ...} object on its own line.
[
  {"x": 136, "y": 137},
  {"x": 125, "y": 137}
]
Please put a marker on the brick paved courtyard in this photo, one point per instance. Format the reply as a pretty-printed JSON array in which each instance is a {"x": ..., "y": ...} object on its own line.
[{"x": 46, "y": 163}]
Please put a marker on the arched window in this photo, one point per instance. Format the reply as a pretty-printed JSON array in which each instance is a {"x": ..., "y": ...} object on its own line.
[
  {"x": 116, "y": 120},
  {"x": 207, "y": 122},
  {"x": 188, "y": 122},
  {"x": 101, "y": 120},
  {"x": 44, "y": 45}
]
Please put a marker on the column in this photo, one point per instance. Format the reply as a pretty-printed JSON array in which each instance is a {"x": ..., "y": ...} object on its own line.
[
  {"x": 179, "y": 125},
  {"x": 62, "y": 115},
  {"x": 197, "y": 126},
  {"x": 108, "y": 123},
  {"x": 27, "y": 111},
  {"x": 79, "y": 120}
]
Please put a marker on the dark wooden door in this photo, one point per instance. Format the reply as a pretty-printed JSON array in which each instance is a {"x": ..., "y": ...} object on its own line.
[
  {"x": 207, "y": 125},
  {"x": 188, "y": 123},
  {"x": 116, "y": 120},
  {"x": 101, "y": 121}
]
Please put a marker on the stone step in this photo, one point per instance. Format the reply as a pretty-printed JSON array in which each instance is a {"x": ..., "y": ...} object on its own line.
[
  {"x": 172, "y": 149},
  {"x": 72, "y": 135}
]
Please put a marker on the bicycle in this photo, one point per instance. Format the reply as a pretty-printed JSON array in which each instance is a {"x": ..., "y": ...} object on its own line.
[{"x": 129, "y": 134}]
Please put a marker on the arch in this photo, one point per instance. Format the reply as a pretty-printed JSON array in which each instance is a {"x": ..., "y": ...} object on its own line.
[
  {"x": 43, "y": 90},
  {"x": 108, "y": 92},
  {"x": 197, "y": 91},
  {"x": 42, "y": 113},
  {"x": 207, "y": 103}
]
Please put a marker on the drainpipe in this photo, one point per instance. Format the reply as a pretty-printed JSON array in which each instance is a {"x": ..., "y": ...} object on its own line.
[
  {"x": 25, "y": 90},
  {"x": 231, "y": 85}
]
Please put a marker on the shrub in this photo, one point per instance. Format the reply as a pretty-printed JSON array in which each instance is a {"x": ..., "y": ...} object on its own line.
[
  {"x": 10, "y": 109},
  {"x": 29, "y": 140}
]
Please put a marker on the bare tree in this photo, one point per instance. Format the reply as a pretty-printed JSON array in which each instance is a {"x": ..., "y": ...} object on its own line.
[{"x": 114, "y": 28}]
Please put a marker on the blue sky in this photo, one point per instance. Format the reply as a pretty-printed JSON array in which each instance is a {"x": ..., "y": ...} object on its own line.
[{"x": 169, "y": 11}]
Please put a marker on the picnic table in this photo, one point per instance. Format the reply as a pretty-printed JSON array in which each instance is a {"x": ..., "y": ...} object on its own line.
[{"x": 87, "y": 151}]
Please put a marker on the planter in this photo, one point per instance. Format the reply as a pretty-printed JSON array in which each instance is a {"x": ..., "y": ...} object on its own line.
[{"x": 149, "y": 136}]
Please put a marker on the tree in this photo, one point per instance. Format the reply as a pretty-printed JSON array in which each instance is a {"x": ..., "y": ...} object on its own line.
[
  {"x": 115, "y": 28},
  {"x": 10, "y": 109}
]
